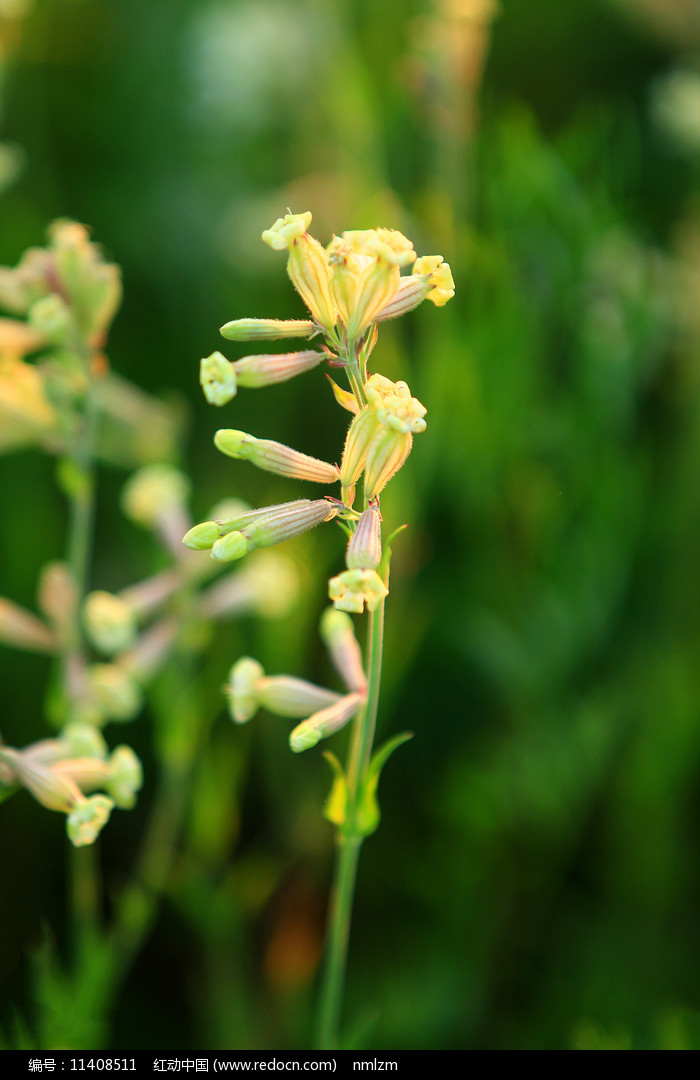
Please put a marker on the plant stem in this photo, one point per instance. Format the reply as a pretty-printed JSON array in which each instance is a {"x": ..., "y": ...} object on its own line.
[
  {"x": 84, "y": 885},
  {"x": 349, "y": 844}
]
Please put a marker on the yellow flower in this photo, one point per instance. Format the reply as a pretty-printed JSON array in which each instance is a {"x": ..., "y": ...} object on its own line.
[
  {"x": 307, "y": 266},
  {"x": 442, "y": 286}
]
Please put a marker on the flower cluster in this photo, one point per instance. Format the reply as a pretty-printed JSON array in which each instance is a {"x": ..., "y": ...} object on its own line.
[{"x": 349, "y": 288}]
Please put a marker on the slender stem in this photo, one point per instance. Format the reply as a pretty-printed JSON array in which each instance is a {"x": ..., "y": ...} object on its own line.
[
  {"x": 84, "y": 878},
  {"x": 349, "y": 844}
]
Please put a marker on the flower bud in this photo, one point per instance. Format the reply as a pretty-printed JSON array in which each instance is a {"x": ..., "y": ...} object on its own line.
[
  {"x": 411, "y": 292},
  {"x": 288, "y": 521},
  {"x": 364, "y": 550},
  {"x": 153, "y": 492},
  {"x": 87, "y": 819},
  {"x": 48, "y": 787},
  {"x": 231, "y": 547},
  {"x": 109, "y": 622},
  {"x": 352, "y": 589},
  {"x": 241, "y": 689},
  {"x": 338, "y": 635},
  {"x": 117, "y": 695},
  {"x": 23, "y": 629},
  {"x": 274, "y": 457},
  {"x": 325, "y": 723},
  {"x": 217, "y": 379},
  {"x": 201, "y": 537},
  {"x": 126, "y": 777},
  {"x": 255, "y": 372},
  {"x": 357, "y": 443},
  {"x": 387, "y": 453},
  {"x": 266, "y": 329},
  {"x": 285, "y": 695}
]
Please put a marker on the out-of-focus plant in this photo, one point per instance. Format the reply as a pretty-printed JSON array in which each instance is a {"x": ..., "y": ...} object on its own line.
[
  {"x": 350, "y": 287},
  {"x": 57, "y": 393}
]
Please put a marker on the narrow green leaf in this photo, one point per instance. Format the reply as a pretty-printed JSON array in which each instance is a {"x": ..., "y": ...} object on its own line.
[
  {"x": 336, "y": 806},
  {"x": 368, "y": 812}
]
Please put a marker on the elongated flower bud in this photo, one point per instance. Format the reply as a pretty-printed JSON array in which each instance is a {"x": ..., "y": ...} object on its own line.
[
  {"x": 201, "y": 537},
  {"x": 24, "y": 630},
  {"x": 254, "y": 372},
  {"x": 364, "y": 550},
  {"x": 352, "y": 589},
  {"x": 274, "y": 457},
  {"x": 411, "y": 292},
  {"x": 325, "y": 723},
  {"x": 289, "y": 520},
  {"x": 249, "y": 689},
  {"x": 357, "y": 443},
  {"x": 266, "y": 329},
  {"x": 48, "y": 787},
  {"x": 338, "y": 635},
  {"x": 376, "y": 286},
  {"x": 386, "y": 455},
  {"x": 217, "y": 378}
]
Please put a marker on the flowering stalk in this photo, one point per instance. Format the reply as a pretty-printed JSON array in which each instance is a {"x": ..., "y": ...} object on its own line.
[{"x": 349, "y": 288}]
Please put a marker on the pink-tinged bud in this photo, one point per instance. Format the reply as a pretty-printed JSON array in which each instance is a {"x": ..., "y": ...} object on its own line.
[
  {"x": 364, "y": 550},
  {"x": 352, "y": 589},
  {"x": 288, "y": 521},
  {"x": 286, "y": 695},
  {"x": 274, "y": 457},
  {"x": 249, "y": 689},
  {"x": 325, "y": 723},
  {"x": 48, "y": 787},
  {"x": 23, "y": 629},
  {"x": 338, "y": 635},
  {"x": 257, "y": 371},
  {"x": 266, "y": 329},
  {"x": 411, "y": 292}
]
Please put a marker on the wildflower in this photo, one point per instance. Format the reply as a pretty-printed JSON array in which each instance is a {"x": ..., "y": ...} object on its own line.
[
  {"x": 87, "y": 819},
  {"x": 282, "y": 523},
  {"x": 364, "y": 550},
  {"x": 338, "y": 635},
  {"x": 352, "y": 589},
  {"x": 440, "y": 280},
  {"x": 249, "y": 689},
  {"x": 274, "y": 457},
  {"x": 307, "y": 265},
  {"x": 325, "y": 722}
]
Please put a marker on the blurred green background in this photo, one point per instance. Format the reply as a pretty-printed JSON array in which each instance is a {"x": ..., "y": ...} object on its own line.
[{"x": 536, "y": 880}]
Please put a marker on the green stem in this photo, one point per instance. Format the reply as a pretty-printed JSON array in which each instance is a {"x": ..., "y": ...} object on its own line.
[
  {"x": 349, "y": 844},
  {"x": 84, "y": 878}
]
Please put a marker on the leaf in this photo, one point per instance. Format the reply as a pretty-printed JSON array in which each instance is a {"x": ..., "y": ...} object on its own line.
[
  {"x": 368, "y": 812},
  {"x": 336, "y": 806},
  {"x": 344, "y": 397}
]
